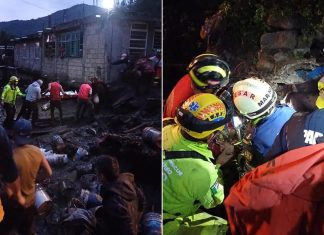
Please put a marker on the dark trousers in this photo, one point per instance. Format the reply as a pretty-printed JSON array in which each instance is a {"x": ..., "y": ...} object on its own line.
[
  {"x": 56, "y": 104},
  {"x": 28, "y": 108},
  {"x": 10, "y": 115},
  {"x": 82, "y": 106},
  {"x": 31, "y": 109},
  {"x": 22, "y": 110},
  {"x": 16, "y": 217}
]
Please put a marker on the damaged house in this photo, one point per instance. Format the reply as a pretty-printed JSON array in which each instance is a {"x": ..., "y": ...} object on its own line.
[{"x": 86, "y": 47}]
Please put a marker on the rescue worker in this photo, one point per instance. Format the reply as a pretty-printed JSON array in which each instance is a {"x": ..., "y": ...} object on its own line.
[
  {"x": 100, "y": 93},
  {"x": 191, "y": 174},
  {"x": 143, "y": 72},
  {"x": 256, "y": 101},
  {"x": 33, "y": 95},
  {"x": 302, "y": 129},
  {"x": 320, "y": 99},
  {"x": 8, "y": 171},
  {"x": 283, "y": 196},
  {"x": 29, "y": 159},
  {"x": 55, "y": 89},
  {"x": 122, "y": 201},
  {"x": 84, "y": 101},
  {"x": 156, "y": 61},
  {"x": 206, "y": 73},
  {"x": 8, "y": 100}
]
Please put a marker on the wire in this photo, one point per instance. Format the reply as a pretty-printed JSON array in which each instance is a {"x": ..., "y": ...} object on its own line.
[{"x": 32, "y": 4}]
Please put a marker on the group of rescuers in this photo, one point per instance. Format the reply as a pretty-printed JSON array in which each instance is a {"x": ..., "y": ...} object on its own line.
[
  {"x": 33, "y": 95},
  {"x": 123, "y": 202},
  {"x": 284, "y": 192}
]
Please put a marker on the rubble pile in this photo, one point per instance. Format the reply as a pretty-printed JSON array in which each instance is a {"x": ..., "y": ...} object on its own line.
[{"x": 72, "y": 150}]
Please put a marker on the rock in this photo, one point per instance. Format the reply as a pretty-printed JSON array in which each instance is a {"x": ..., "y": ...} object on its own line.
[
  {"x": 304, "y": 42},
  {"x": 285, "y": 22},
  {"x": 265, "y": 63},
  {"x": 287, "y": 74},
  {"x": 280, "y": 56},
  {"x": 279, "y": 40}
]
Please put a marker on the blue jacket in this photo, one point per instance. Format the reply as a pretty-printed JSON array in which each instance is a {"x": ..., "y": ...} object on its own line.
[
  {"x": 266, "y": 132},
  {"x": 301, "y": 130}
]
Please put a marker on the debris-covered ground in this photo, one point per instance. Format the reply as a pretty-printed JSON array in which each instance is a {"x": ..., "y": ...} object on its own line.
[{"x": 120, "y": 119}]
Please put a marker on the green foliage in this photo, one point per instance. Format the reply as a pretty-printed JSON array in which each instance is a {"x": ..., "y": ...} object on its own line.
[
  {"x": 152, "y": 7},
  {"x": 4, "y": 37}
]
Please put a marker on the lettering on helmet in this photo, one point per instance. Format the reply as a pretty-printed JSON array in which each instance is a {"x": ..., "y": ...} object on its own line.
[
  {"x": 244, "y": 93},
  {"x": 265, "y": 98},
  {"x": 210, "y": 111}
]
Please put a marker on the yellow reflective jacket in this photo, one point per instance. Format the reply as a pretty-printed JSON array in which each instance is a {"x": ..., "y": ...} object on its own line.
[
  {"x": 9, "y": 95},
  {"x": 188, "y": 182}
]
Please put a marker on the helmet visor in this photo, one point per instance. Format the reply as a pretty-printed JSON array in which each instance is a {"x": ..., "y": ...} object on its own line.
[{"x": 209, "y": 78}]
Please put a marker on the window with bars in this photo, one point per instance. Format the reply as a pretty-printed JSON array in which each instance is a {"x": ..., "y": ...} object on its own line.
[
  {"x": 70, "y": 44},
  {"x": 157, "y": 39},
  {"x": 138, "y": 40}
]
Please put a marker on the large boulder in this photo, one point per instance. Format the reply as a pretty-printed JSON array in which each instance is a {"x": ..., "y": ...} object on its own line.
[
  {"x": 285, "y": 22},
  {"x": 265, "y": 62},
  {"x": 279, "y": 40}
]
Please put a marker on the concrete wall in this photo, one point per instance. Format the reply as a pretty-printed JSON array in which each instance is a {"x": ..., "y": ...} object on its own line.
[
  {"x": 118, "y": 39},
  {"x": 28, "y": 56},
  {"x": 104, "y": 40},
  {"x": 94, "y": 49}
]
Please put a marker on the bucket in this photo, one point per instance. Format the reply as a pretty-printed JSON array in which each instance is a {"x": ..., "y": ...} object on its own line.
[
  {"x": 152, "y": 223},
  {"x": 90, "y": 199},
  {"x": 43, "y": 202},
  {"x": 152, "y": 136},
  {"x": 55, "y": 159}
]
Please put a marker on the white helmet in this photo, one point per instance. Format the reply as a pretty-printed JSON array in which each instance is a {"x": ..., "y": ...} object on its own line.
[{"x": 254, "y": 98}]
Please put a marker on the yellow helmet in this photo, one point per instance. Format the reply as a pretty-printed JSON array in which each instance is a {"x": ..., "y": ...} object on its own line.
[
  {"x": 13, "y": 79},
  {"x": 320, "y": 98},
  {"x": 201, "y": 115}
]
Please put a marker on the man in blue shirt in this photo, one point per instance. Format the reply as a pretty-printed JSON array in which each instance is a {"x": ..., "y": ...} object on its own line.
[{"x": 256, "y": 101}]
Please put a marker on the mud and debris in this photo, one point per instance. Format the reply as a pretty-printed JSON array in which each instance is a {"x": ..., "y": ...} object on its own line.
[{"x": 72, "y": 149}]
